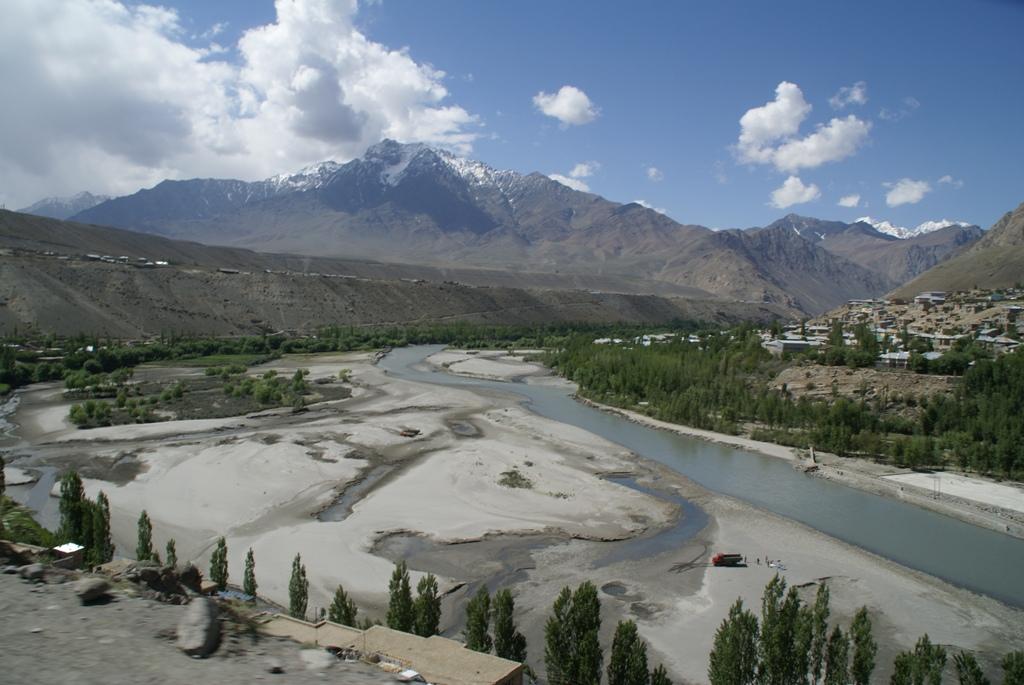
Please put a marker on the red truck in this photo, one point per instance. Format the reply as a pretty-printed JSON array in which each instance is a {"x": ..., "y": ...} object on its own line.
[{"x": 723, "y": 559}]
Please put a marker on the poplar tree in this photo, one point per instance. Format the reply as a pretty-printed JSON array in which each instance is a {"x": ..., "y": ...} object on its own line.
[
  {"x": 72, "y": 524},
  {"x": 659, "y": 676},
  {"x": 249, "y": 578},
  {"x": 400, "y": 607},
  {"x": 144, "y": 546},
  {"x": 219, "y": 564},
  {"x": 509, "y": 643},
  {"x": 572, "y": 652},
  {"x": 172, "y": 553},
  {"x": 427, "y": 607},
  {"x": 298, "y": 589},
  {"x": 733, "y": 658},
  {"x": 922, "y": 666},
  {"x": 968, "y": 672},
  {"x": 627, "y": 664},
  {"x": 819, "y": 631},
  {"x": 102, "y": 547},
  {"x": 837, "y": 658},
  {"x": 1013, "y": 668},
  {"x": 478, "y": 620},
  {"x": 343, "y": 608},
  {"x": 864, "y": 648}
]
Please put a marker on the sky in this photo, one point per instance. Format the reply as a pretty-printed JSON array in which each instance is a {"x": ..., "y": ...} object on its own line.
[{"x": 724, "y": 114}]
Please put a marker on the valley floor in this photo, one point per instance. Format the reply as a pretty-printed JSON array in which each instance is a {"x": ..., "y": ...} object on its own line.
[{"x": 343, "y": 486}]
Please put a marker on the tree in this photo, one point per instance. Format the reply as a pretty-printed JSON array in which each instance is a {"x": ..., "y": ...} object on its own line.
[
  {"x": 558, "y": 640},
  {"x": 627, "y": 664},
  {"x": 101, "y": 546},
  {"x": 733, "y": 658},
  {"x": 660, "y": 677},
  {"x": 3, "y": 479},
  {"x": 427, "y": 607},
  {"x": 400, "y": 608},
  {"x": 249, "y": 578},
  {"x": 864, "y": 648},
  {"x": 1013, "y": 668},
  {"x": 298, "y": 589},
  {"x": 509, "y": 643},
  {"x": 343, "y": 608},
  {"x": 144, "y": 546},
  {"x": 72, "y": 522},
  {"x": 172, "y": 553},
  {"x": 478, "y": 620},
  {"x": 819, "y": 631},
  {"x": 219, "y": 564},
  {"x": 837, "y": 658},
  {"x": 780, "y": 613},
  {"x": 572, "y": 651},
  {"x": 968, "y": 672}
]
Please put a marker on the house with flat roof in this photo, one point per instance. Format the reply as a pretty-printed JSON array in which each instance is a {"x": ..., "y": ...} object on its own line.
[{"x": 439, "y": 660}]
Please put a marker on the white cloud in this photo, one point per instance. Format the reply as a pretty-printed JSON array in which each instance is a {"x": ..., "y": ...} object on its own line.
[
  {"x": 719, "y": 172},
  {"x": 952, "y": 182},
  {"x": 768, "y": 134},
  {"x": 794, "y": 192},
  {"x": 648, "y": 205},
  {"x": 836, "y": 140},
  {"x": 906, "y": 108},
  {"x": 574, "y": 183},
  {"x": 569, "y": 105},
  {"x": 654, "y": 174},
  {"x": 780, "y": 118},
  {"x": 857, "y": 94},
  {"x": 906, "y": 191},
  {"x": 849, "y": 200},
  {"x": 584, "y": 169},
  {"x": 147, "y": 106}
]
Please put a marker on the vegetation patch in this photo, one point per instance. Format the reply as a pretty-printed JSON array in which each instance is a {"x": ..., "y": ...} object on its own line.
[{"x": 514, "y": 478}]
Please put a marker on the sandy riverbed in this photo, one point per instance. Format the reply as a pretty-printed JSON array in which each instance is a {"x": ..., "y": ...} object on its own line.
[{"x": 260, "y": 481}]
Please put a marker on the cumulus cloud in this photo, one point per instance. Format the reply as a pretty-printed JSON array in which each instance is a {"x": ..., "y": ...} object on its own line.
[
  {"x": 569, "y": 105},
  {"x": 648, "y": 205},
  {"x": 761, "y": 126},
  {"x": 948, "y": 180},
  {"x": 831, "y": 142},
  {"x": 794, "y": 192},
  {"x": 584, "y": 169},
  {"x": 849, "y": 200},
  {"x": 768, "y": 134},
  {"x": 146, "y": 105},
  {"x": 857, "y": 94},
  {"x": 574, "y": 183},
  {"x": 906, "y": 191},
  {"x": 654, "y": 174}
]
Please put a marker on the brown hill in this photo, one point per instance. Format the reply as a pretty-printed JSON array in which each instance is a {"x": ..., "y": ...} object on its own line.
[{"x": 996, "y": 261}]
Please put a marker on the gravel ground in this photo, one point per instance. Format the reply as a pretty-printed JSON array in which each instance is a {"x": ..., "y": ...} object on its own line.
[{"x": 47, "y": 636}]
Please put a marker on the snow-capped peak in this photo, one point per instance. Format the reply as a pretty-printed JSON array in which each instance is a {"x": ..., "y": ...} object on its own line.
[
  {"x": 312, "y": 176},
  {"x": 903, "y": 232}
]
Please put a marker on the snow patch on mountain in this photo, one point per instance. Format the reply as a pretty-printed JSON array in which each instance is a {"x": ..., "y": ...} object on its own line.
[{"x": 903, "y": 232}]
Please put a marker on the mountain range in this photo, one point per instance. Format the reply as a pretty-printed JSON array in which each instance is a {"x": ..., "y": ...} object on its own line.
[
  {"x": 64, "y": 207},
  {"x": 995, "y": 261},
  {"x": 415, "y": 204}
]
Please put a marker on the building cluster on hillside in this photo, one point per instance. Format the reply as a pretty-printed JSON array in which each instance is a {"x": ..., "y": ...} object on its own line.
[
  {"x": 648, "y": 339},
  {"x": 991, "y": 319}
]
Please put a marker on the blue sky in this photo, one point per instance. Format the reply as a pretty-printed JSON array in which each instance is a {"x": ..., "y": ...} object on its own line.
[{"x": 936, "y": 117}]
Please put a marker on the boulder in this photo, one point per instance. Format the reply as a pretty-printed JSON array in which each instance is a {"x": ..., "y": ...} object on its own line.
[
  {"x": 274, "y": 665},
  {"x": 207, "y": 587},
  {"x": 199, "y": 628},
  {"x": 32, "y": 571},
  {"x": 90, "y": 590},
  {"x": 191, "y": 577}
]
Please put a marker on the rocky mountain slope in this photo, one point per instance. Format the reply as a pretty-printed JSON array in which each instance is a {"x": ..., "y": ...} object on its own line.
[
  {"x": 64, "y": 207},
  {"x": 995, "y": 261},
  {"x": 896, "y": 259},
  {"x": 417, "y": 204},
  {"x": 222, "y": 291}
]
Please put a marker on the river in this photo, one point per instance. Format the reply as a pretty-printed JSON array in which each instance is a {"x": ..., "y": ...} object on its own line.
[{"x": 969, "y": 556}]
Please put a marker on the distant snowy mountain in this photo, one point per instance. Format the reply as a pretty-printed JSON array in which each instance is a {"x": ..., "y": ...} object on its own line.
[
  {"x": 64, "y": 207},
  {"x": 903, "y": 232}
]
